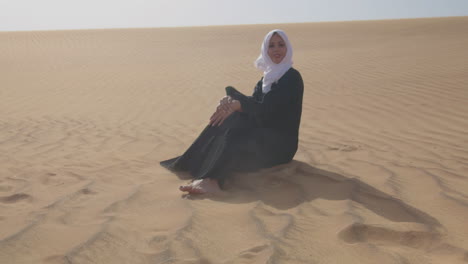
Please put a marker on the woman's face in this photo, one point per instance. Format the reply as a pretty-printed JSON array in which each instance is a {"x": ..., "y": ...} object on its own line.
[{"x": 276, "y": 48}]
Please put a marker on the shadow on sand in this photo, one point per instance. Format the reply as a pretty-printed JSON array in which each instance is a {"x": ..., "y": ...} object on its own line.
[
  {"x": 287, "y": 186},
  {"x": 290, "y": 185}
]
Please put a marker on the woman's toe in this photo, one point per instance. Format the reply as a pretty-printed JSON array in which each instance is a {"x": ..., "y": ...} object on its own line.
[
  {"x": 185, "y": 188},
  {"x": 197, "y": 190}
]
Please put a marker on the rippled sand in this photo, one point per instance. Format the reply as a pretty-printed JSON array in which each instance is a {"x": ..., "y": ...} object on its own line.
[{"x": 381, "y": 174}]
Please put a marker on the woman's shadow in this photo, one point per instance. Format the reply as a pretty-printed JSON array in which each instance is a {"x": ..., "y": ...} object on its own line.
[
  {"x": 287, "y": 186},
  {"x": 290, "y": 185}
]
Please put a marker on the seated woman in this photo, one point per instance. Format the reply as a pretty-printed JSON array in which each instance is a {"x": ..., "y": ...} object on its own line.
[{"x": 247, "y": 133}]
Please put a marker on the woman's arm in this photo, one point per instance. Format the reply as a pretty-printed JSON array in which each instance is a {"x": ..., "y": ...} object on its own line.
[
  {"x": 276, "y": 100},
  {"x": 236, "y": 95},
  {"x": 226, "y": 107}
]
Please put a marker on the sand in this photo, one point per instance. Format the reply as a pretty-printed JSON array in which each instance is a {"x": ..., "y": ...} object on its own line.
[{"x": 381, "y": 174}]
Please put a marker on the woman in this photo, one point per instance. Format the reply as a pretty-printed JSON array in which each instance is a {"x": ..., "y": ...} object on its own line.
[{"x": 247, "y": 133}]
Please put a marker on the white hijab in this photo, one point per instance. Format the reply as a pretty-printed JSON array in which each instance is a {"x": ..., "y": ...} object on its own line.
[{"x": 272, "y": 72}]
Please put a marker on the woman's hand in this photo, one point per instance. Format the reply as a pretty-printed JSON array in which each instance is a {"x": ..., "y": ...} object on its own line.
[
  {"x": 219, "y": 116},
  {"x": 226, "y": 107},
  {"x": 224, "y": 103}
]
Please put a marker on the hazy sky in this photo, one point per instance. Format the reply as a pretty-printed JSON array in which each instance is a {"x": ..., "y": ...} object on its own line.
[{"x": 68, "y": 14}]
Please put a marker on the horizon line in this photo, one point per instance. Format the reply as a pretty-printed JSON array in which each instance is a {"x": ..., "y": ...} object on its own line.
[{"x": 232, "y": 25}]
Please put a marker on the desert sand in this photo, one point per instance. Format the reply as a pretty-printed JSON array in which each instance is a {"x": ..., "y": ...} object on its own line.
[{"x": 381, "y": 174}]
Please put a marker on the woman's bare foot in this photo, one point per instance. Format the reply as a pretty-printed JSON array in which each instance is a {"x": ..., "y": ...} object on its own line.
[{"x": 201, "y": 186}]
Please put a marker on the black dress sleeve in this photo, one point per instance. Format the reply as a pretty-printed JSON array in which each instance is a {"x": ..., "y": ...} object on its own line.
[
  {"x": 235, "y": 94},
  {"x": 279, "y": 98}
]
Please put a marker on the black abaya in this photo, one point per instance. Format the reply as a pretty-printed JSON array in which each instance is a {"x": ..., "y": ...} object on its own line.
[{"x": 263, "y": 135}]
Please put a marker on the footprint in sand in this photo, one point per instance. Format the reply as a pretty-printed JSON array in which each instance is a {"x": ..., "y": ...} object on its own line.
[
  {"x": 87, "y": 191},
  {"x": 344, "y": 147},
  {"x": 56, "y": 259},
  {"x": 157, "y": 241},
  {"x": 159, "y": 248},
  {"x": 360, "y": 233},
  {"x": 257, "y": 254},
  {"x": 429, "y": 241},
  {"x": 14, "y": 198}
]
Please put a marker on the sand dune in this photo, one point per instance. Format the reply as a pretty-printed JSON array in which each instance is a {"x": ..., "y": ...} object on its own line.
[{"x": 381, "y": 175}]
